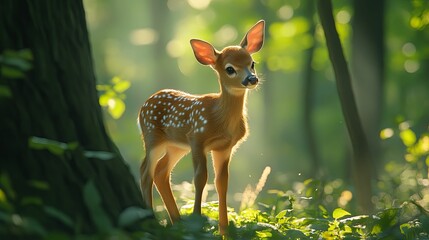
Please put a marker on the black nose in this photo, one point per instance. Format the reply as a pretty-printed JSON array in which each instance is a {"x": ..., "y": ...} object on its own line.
[{"x": 252, "y": 79}]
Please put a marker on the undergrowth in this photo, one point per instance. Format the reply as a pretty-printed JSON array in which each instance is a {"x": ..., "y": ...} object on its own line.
[{"x": 312, "y": 209}]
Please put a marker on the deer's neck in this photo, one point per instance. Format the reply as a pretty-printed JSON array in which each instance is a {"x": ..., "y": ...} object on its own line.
[{"x": 231, "y": 108}]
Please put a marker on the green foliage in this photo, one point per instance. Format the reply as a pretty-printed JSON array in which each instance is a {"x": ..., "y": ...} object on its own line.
[
  {"x": 14, "y": 64},
  {"x": 113, "y": 96},
  {"x": 54, "y": 147},
  {"x": 407, "y": 221},
  {"x": 61, "y": 149}
]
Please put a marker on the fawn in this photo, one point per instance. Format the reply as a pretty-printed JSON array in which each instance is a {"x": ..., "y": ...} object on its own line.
[{"x": 174, "y": 123}]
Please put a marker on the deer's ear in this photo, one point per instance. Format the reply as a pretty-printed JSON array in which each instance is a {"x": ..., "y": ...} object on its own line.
[
  {"x": 204, "y": 52},
  {"x": 254, "y": 38}
]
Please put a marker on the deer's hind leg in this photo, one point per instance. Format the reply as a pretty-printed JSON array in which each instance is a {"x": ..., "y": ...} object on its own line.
[
  {"x": 147, "y": 170},
  {"x": 162, "y": 179}
]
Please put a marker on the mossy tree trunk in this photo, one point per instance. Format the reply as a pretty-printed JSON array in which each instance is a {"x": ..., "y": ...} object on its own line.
[{"x": 58, "y": 165}]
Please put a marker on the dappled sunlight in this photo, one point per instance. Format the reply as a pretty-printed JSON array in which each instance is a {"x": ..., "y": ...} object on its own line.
[
  {"x": 343, "y": 17},
  {"x": 285, "y": 12},
  {"x": 333, "y": 144},
  {"x": 154, "y": 56},
  {"x": 143, "y": 36},
  {"x": 199, "y": 4}
]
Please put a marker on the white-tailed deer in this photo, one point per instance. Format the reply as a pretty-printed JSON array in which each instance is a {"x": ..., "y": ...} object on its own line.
[{"x": 174, "y": 123}]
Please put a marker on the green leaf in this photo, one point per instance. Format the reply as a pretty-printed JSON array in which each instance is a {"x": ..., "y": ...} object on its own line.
[
  {"x": 99, "y": 155},
  {"x": 339, "y": 213},
  {"x": 5, "y": 91},
  {"x": 26, "y": 54},
  {"x": 103, "y": 87},
  {"x": 281, "y": 214},
  {"x": 6, "y": 186},
  {"x": 58, "y": 215},
  {"x": 404, "y": 228},
  {"x": 94, "y": 205},
  {"x": 15, "y": 63},
  {"x": 386, "y": 133},
  {"x": 408, "y": 137},
  {"x": 122, "y": 86},
  {"x": 264, "y": 234},
  {"x": 132, "y": 215},
  {"x": 11, "y": 72},
  {"x": 54, "y": 147},
  {"x": 324, "y": 212},
  {"x": 41, "y": 185},
  {"x": 28, "y": 225},
  {"x": 116, "y": 107},
  {"x": 116, "y": 80},
  {"x": 31, "y": 200},
  {"x": 104, "y": 100}
]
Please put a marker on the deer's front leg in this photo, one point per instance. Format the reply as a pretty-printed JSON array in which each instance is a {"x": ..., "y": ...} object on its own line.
[
  {"x": 221, "y": 163},
  {"x": 199, "y": 160}
]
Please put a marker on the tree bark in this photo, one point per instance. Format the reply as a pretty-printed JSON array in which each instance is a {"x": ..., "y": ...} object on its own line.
[
  {"x": 361, "y": 153},
  {"x": 308, "y": 98},
  {"x": 56, "y": 153},
  {"x": 368, "y": 67}
]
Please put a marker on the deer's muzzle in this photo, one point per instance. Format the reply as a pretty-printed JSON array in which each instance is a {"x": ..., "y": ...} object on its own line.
[{"x": 251, "y": 79}]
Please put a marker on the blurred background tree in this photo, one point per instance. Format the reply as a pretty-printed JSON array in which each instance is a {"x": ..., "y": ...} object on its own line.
[{"x": 295, "y": 120}]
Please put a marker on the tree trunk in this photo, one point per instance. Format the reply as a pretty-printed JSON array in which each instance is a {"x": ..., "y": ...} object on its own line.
[
  {"x": 368, "y": 67},
  {"x": 58, "y": 165},
  {"x": 308, "y": 98},
  {"x": 161, "y": 22},
  {"x": 361, "y": 153}
]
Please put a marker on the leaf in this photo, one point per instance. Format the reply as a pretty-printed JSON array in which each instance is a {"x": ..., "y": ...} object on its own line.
[
  {"x": 404, "y": 228},
  {"x": 17, "y": 62},
  {"x": 58, "y": 215},
  {"x": 6, "y": 186},
  {"x": 2, "y": 196},
  {"x": 41, "y": 185},
  {"x": 323, "y": 211},
  {"x": 386, "y": 133},
  {"x": 31, "y": 200},
  {"x": 26, "y": 54},
  {"x": 53, "y": 146},
  {"x": 29, "y": 225},
  {"x": 103, "y": 87},
  {"x": 339, "y": 213},
  {"x": 5, "y": 91},
  {"x": 116, "y": 107},
  {"x": 11, "y": 72},
  {"x": 132, "y": 215},
  {"x": 93, "y": 203},
  {"x": 264, "y": 234},
  {"x": 122, "y": 86},
  {"x": 116, "y": 80},
  {"x": 103, "y": 100},
  {"x": 408, "y": 137},
  {"x": 102, "y": 155},
  {"x": 281, "y": 214},
  {"x": 347, "y": 229}
]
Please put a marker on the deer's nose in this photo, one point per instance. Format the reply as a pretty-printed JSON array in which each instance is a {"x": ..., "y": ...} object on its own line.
[{"x": 251, "y": 79}]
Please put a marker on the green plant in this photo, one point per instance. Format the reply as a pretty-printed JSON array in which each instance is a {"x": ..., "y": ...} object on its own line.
[{"x": 113, "y": 96}]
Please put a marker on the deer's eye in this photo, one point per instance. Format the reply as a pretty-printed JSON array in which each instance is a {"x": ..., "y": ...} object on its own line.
[{"x": 230, "y": 70}]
